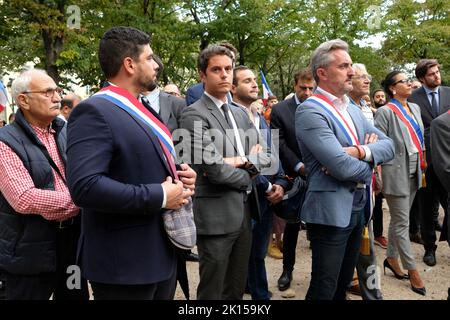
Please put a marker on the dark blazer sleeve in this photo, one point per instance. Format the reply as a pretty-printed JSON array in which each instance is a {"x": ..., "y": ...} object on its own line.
[
  {"x": 440, "y": 148},
  {"x": 288, "y": 156},
  {"x": 90, "y": 150},
  {"x": 194, "y": 93}
]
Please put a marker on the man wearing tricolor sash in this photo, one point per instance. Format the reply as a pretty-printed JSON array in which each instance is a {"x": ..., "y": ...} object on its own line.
[
  {"x": 340, "y": 148},
  {"x": 121, "y": 171}
]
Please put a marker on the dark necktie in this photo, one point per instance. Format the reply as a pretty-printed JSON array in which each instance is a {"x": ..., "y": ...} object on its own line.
[
  {"x": 148, "y": 106},
  {"x": 225, "y": 109},
  {"x": 434, "y": 104}
]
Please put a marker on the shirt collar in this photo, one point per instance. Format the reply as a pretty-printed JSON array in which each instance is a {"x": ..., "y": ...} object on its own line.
[
  {"x": 42, "y": 131},
  {"x": 297, "y": 100},
  {"x": 428, "y": 90},
  {"x": 219, "y": 103},
  {"x": 340, "y": 103}
]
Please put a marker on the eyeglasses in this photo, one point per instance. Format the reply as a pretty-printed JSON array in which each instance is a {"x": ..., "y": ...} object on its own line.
[
  {"x": 403, "y": 81},
  {"x": 49, "y": 93},
  {"x": 364, "y": 77}
]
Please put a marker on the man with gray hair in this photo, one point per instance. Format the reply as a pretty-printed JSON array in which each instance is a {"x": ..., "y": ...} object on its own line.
[
  {"x": 366, "y": 266},
  {"x": 37, "y": 215},
  {"x": 330, "y": 132}
]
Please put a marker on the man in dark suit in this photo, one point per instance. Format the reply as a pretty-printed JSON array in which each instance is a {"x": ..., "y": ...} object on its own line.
[
  {"x": 433, "y": 100},
  {"x": 226, "y": 156},
  {"x": 123, "y": 177},
  {"x": 270, "y": 189},
  {"x": 283, "y": 119},
  {"x": 440, "y": 153}
]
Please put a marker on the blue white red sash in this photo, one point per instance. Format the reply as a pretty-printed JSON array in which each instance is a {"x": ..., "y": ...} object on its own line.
[
  {"x": 412, "y": 125},
  {"x": 328, "y": 106},
  {"x": 126, "y": 101}
]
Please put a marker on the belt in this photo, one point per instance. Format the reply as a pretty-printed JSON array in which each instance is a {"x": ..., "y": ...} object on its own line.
[
  {"x": 64, "y": 224},
  {"x": 360, "y": 185}
]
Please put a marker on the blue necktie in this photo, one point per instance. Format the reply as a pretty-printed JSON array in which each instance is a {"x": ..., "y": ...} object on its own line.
[{"x": 434, "y": 104}]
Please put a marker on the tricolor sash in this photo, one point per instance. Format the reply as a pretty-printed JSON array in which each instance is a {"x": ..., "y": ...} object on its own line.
[
  {"x": 126, "y": 101},
  {"x": 412, "y": 125},
  {"x": 328, "y": 106},
  {"x": 352, "y": 139}
]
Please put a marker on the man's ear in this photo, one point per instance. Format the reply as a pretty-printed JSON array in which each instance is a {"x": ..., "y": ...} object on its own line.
[
  {"x": 22, "y": 101},
  {"x": 321, "y": 72},
  {"x": 202, "y": 76},
  {"x": 128, "y": 65}
]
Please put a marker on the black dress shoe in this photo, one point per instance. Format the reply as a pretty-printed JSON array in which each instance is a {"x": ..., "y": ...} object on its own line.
[
  {"x": 430, "y": 257},
  {"x": 192, "y": 257},
  {"x": 284, "y": 282}
]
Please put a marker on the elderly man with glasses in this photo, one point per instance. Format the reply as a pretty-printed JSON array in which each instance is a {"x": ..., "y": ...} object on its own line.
[{"x": 39, "y": 233}]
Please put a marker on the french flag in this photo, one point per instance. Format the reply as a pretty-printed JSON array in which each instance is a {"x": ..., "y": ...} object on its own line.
[
  {"x": 265, "y": 86},
  {"x": 3, "y": 97}
]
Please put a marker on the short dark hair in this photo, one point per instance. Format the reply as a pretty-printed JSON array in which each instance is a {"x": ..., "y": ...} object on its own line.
[
  {"x": 236, "y": 70},
  {"x": 378, "y": 90},
  {"x": 423, "y": 65},
  {"x": 389, "y": 81},
  {"x": 305, "y": 75},
  {"x": 118, "y": 43},
  {"x": 230, "y": 47},
  {"x": 208, "y": 53},
  {"x": 66, "y": 103}
]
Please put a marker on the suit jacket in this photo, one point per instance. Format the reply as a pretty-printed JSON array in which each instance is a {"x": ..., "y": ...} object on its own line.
[
  {"x": 395, "y": 173},
  {"x": 283, "y": 119},
  {"x": 263, "y": 181},
  {"x": 114, "y": 172},
  {"x": 220, "y": 188},
  {"x": 440, "y": 148},
  {"x": 420, "y": 98},
  {"x": 329, "y": 198},
  {"x": 194, "y": 93},
  {"x": 171, "y": 108}
]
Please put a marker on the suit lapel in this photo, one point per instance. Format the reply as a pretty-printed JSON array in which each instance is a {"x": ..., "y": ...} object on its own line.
[
  {"x": 220, "y": 119},
  {"x": 164, "y": 108},
  {"x": 153, "y": 138},
  {"x": 425, "y": 102}
]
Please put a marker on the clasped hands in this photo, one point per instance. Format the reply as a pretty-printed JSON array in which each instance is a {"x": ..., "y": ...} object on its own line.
[
  {"x": 178, "y": 191},
  {"x": 239, "y": 162}
]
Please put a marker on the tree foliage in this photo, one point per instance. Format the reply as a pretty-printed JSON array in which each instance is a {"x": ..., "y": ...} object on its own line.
[{"x": 277, "y": 36}]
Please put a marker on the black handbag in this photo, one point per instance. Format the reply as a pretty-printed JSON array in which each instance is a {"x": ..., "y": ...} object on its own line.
[{"x": 290, "y": 207}]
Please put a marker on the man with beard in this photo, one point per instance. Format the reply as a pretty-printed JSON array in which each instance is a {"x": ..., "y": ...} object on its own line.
[
  {"x": 379, "y": 98},
  {"x": 123, "y": 175},
  {"x": 433, "y": 100},
  {"x": 270, "y": 189}
]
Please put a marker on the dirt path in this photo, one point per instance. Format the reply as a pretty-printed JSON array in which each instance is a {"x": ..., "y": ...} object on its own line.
[{"x": 436, "y": 279}]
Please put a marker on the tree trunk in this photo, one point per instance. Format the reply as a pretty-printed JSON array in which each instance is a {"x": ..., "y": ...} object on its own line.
[{"x": 53, "y": 45}]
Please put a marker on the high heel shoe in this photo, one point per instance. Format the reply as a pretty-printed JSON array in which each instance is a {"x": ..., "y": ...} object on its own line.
[
  {"x": 421, "y": 291},
  {"x": 398, "y": 276}
]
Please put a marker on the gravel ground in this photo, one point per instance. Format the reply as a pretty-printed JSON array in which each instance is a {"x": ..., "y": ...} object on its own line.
[{"x": 436, "y": 279}]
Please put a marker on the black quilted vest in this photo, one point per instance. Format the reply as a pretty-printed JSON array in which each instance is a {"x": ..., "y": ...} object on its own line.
[{"x": 28, "y": 241}]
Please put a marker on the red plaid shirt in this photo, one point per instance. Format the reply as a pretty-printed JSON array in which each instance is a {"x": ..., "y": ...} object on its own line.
[{"x": 19, "y": 189}]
